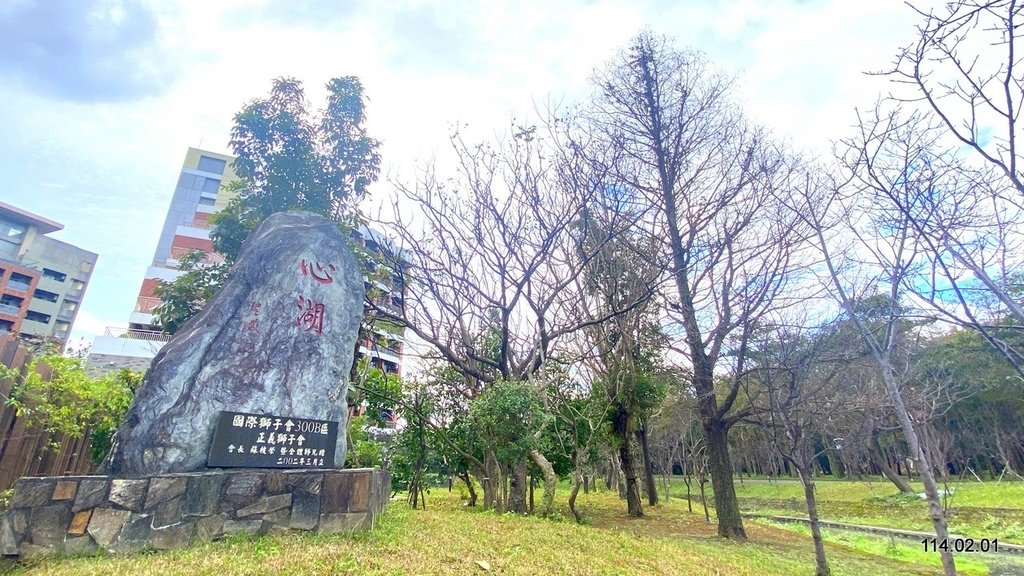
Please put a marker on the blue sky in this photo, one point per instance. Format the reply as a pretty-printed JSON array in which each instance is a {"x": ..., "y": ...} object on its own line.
[{"x": 100, "y": 98}]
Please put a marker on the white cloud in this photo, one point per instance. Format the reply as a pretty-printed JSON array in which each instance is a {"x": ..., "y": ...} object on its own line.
[{"x": 107, "y": 169}]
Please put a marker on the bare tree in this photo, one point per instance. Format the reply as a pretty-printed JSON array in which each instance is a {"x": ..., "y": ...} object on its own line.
[
  {"x": 797, "y": 397},
  {"x": 964, "y": 72},
  {"x": 868, "y": 249},
  {"x": 711, "y": 179},
  {"x": 488, "y": 266}
]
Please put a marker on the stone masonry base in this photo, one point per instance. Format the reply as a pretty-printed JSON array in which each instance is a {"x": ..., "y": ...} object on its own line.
[{"x": 83, "y": 514}]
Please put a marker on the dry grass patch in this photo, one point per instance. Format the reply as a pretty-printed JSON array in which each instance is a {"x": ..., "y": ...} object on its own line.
[{"x": 449, "y": 539}]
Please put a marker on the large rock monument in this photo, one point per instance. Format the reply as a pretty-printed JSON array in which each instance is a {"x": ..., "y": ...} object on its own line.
[
  {"x": 278, "y": 339},
  {"x": 256, "y": 381}
]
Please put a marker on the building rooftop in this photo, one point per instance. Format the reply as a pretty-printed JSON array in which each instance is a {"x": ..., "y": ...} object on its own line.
[{"x": 45, "y": 225}]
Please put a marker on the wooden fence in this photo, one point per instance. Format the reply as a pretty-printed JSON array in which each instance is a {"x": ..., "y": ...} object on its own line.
[{"x": 30, "y": 452}]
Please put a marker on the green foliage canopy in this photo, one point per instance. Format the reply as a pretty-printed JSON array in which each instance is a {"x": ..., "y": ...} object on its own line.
[
  {"x": 69, "y": 401},
  {"x": 287, "y": 158}
]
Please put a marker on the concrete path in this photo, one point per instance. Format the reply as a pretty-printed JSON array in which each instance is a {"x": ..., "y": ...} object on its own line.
[{"x": 896, "y": 532}]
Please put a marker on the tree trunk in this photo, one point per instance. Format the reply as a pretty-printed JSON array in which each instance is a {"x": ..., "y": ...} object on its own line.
[
  {"x": 727, "y": 507},
  {"x": 622, "y": 431},
  {"x": 645, "y": 449},
  {"x": 931, "y": 490},
  {"x": 469, "y": 486},
  {"x": 577, "y": 479},
  {"x": 531, "y": 481},
  {"x": 687, "y": 479},
  {"x": 882, "y": 463},
  {"x": 517, "y": 488},
  {"x": 821, "y": 563},
  {"x": 701, "y": 481},
  {"x": 550, "y": 481}
]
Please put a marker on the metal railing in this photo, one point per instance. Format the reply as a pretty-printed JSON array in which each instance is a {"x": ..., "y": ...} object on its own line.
[
  {"x": 150, "y": 335},
  {"x": 178, "y": 253},
  {"x": 10, "y": 309}
]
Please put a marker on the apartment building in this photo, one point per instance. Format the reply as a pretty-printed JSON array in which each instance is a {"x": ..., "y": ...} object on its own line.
[
  {"x": 42, "y": 280},
  {"x": 200, "y": 191}
]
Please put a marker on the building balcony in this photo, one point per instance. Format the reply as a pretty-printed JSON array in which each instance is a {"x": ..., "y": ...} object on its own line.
[
  {"x": 17, "y": 285},
  {"x": 210, "y": 258},
  {"x": 146, "y": 304},
  {"x": 10, "y": 310},
  {"x": 147, "y": 335},
  {"x": 386, "y": 354}
]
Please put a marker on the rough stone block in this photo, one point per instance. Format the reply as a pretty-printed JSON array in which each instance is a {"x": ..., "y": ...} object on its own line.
[
  {"x": 31, "y": 550},
  {"x": 343, "y": 522},
  {"x": 49, "y": 524},
  {"x": 91, "y": 493},
  {"x": 64, "y": 490},
  {"x": 106, "y": 524},
  {"x": 242, "y": 526},
  {"x": 171, "y": 537},
  {"x": 32, "y": 492},
  {"x": 336, "y": 493},
  {"x": 136, "y": 534},
  {"x": 359, "y": 500},
  {"x": 305, "y": 511},
  {"x": 128, "y": 494},
  {"x": 162, "y": 489},
  {"x": 8, "y": 543},
  {"x": 80, "y": 545},
  {"x": 208, "y": 528},
  {"x": 275, "y": 483},
  {"x": 277, "y": 518},
  {"x": 266, "y": 504},
  {"x": 80, "y": 522},
  {"x": 19, "y": 521},
  {"x": 202, "y": 495},
  {"x": 306, "y": 481},
  {"x": 243, "y": 489},
  {"x": 167, "y": 513}
]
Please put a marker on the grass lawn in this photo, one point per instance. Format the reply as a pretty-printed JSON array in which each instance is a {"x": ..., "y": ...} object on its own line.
[
  {"x": 449, "y": 539},
  {"x": 980, "y": 510}
]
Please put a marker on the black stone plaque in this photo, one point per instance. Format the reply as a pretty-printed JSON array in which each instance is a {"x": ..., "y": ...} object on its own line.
[{"x": 266, "y": 441}]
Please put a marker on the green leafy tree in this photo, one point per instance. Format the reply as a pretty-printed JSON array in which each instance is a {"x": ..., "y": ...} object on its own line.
[
  {"x": 287, "y": 158},
  {"x": 183, "y": 298},
  {"x": 506, "y": 415},
  {"x": 57, "y": 396}
]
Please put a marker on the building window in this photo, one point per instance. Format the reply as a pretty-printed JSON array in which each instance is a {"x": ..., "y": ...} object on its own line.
[
  {"x": 61, "y": 328},
  {"x": 12, "y": 232},
  {"x": 54, "y": 275},
  {"x": 11, "y": 300},
  {"x": 6, "y": 326},
  {"x": 19, "y": 282},
  {"x": 85, "y": 267},
  {"x": 204, "y": 201},
  {"x": 44, "y": 295},
  {"x": 37, "y": 317},
  {"x": 11, "y": 235},
  {"x": 211, "y": 185},
  {"x": 207, "y": 164}
]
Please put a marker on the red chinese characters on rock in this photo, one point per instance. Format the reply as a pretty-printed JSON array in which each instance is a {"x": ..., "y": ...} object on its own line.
[
  {"x": 251, "y": 326},
  {"x": 253, "y": 320},
  {"x": 311, "y": 315},
  {"x": 320, "y": 273}
]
